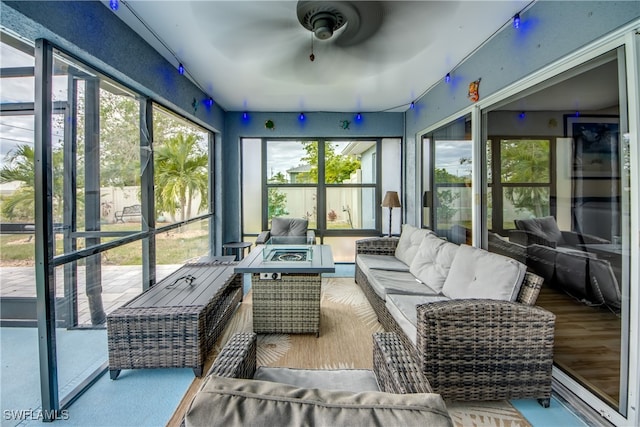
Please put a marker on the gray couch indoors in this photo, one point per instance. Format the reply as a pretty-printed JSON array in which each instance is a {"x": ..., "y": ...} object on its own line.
[{"x": 561, "y": 258}]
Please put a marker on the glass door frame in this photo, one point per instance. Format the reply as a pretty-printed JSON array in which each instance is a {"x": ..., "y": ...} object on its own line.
[{"x": 625, "y": 37}]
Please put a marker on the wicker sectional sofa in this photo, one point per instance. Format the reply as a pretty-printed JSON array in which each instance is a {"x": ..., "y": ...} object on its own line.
[{"x": 466, "y": 315}]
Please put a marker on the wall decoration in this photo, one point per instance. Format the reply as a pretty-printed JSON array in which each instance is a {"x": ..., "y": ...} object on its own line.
[
  {"x": 269, "y": 124},
  {"x": 596, "y": 146},
  {"x": 194, "y": 104},
  {"x": 474, "y": 94},
  {"x": 344, "y": 124}
]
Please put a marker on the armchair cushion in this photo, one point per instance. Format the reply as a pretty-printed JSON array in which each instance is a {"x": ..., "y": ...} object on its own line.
[
  {"x": 289, "y": 226},
  {"x": 230, "y": 401},
  {"x": 476, "y": 273},
  {"x": 410, "y": 240},
  {"x": 355, "y": 380},
  {"x": 290, "y": 230},
  {"x": 432, "y": 263}
]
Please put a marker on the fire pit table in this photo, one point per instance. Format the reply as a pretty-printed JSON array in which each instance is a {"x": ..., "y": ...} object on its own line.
[{"x": 285, "y": 283}]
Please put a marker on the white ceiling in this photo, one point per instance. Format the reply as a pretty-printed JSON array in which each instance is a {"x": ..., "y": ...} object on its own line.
[{"x": 254, "y": 55}]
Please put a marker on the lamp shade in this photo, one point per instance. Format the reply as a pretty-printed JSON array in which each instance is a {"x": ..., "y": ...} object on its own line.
[{"x": 391, "y": 200}]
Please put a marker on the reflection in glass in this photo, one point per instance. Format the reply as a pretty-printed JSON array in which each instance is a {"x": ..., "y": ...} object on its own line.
[
  {"x": 567, "y": 197},
  {"x": 452, "y": 183},
  {"x": 512, "y": 210}
]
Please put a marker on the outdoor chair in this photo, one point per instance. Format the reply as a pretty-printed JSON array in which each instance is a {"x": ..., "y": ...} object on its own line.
[
  {"x": 394, "y": 393},
  {"x": 289, "y": 230}
]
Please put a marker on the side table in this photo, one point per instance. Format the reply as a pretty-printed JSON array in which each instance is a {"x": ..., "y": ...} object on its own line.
[{"x": 238, "y": 247}]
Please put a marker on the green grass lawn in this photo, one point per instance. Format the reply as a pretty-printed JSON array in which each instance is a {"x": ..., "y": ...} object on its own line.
[{"x": 173, "y": 247}]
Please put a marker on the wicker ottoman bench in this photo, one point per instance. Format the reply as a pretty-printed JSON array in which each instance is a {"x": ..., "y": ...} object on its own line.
[{"x": 176, "y": 322}]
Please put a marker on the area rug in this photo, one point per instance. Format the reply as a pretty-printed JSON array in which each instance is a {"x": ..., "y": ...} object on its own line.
[{"x": 347, "y": 323}]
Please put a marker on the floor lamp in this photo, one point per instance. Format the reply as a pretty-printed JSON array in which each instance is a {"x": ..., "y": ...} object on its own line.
[{"x": 391, "y": 201}]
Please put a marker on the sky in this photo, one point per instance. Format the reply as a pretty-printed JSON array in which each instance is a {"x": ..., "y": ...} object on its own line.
[{"x": 449, "y": 153}]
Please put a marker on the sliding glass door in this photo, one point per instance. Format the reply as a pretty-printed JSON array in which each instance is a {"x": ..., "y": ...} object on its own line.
[{"x": 559, "y": 201}]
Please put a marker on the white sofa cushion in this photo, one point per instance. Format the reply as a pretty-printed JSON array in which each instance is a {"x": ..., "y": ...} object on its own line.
[
  {"x": 410, "y": 240},
  {"x": 432, "y": 262},
  {"x": 380, "y": 262},
  {"x": 403, "y": 310},
  {"x": 476, "y": 273},
  {"x": 398, "y": 282}
]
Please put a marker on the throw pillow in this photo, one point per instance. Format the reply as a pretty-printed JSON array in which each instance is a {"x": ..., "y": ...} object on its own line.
[
  {"x": 476, "y": 273},
  {"x": 432, "y": 262},
  {"x": 410, "y": 240}
]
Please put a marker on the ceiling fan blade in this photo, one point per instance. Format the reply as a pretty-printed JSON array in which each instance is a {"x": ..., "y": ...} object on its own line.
[
  {"x": 245, "y": 30},
  {"x": 364, "y": 19},
  {"x": 402, "y": 26}
]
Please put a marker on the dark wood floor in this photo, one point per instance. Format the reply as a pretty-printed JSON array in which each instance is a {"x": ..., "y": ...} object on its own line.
[{"x": 587, "y": 343}]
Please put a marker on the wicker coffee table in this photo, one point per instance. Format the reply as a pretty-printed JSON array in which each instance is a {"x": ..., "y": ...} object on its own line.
[
  {"x": 286, "y": 294},
  {"x": 175, "y": 323}
]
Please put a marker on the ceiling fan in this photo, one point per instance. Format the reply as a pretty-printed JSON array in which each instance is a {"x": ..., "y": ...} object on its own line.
[
  {"x": 358, "y": 20},
  {"x": 359, "y": 37}
]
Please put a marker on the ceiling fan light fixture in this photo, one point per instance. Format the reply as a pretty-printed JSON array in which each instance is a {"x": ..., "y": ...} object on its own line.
[
  {"x": 322, "y": 18},
  {"x": 323, "y": 24}
]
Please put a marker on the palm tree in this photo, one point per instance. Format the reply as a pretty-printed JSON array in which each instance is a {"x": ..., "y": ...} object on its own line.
[
  {"x": 181, "y": 173},
  {"x": 20, "y": 167}
]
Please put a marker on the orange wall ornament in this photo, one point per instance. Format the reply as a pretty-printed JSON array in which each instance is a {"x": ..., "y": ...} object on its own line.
[{"x": 474, "y": 94}]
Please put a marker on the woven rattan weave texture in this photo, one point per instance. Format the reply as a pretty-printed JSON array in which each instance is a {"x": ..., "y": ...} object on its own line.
[
  {"x": 475, "y": 349},
  {"x": 290, "y": 304},
  {"x": 175, "y": 323}
]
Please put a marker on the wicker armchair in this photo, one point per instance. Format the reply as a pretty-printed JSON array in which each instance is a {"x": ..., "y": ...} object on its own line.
[
  {"x": 394, "y": 369},
  {"x": 476, "y": 349}
]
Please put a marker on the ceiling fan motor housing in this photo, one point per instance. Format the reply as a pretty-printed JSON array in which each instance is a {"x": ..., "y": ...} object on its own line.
[{"x": 321, "y": 17}]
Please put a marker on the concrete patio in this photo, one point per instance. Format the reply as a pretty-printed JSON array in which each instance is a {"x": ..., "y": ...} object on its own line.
[{"x": 119, "y": 285}]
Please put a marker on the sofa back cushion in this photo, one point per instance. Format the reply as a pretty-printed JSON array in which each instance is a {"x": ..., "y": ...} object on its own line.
[
  {"x": 410, "y": 240},
  {"x": 231, "y": 401},
  {"x": 545, "y": 227},
  {"x": 476, "y": 273},
  {"x": 433, "y": 260}
]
